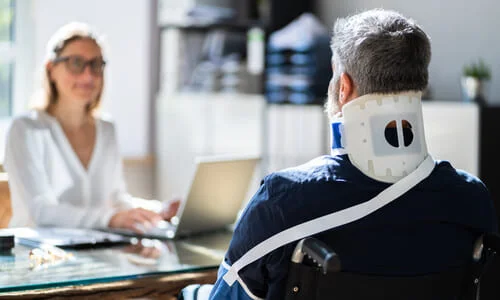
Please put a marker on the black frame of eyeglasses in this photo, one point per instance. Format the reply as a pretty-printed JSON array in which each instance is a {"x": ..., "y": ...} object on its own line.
[{"x": 85, "y": 63}]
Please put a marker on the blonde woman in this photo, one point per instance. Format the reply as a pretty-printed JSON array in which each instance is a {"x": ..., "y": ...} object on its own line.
[{"x": 62, "y": 157}]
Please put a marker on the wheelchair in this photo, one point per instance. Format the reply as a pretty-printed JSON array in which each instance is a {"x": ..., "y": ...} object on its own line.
[{"x": 316, "y": 273}]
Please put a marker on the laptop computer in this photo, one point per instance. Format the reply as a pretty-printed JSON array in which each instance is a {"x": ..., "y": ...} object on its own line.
[{"x": 215, "y": 197}]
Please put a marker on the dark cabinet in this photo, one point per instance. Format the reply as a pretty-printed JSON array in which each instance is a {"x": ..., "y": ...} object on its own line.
[{"x": 489, "y": 168}]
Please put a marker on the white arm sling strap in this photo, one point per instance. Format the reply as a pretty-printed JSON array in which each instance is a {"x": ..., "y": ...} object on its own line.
[{"x": 332, "y": 220}]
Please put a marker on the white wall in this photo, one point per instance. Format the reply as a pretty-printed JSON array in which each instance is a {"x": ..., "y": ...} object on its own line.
[
  {"x": 461, "y": 31},
  {"x": 126, "y": 25},
  {"x": 24, "y": 64}
]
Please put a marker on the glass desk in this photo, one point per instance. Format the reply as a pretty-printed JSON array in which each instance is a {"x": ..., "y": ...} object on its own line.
[{"x": 185, "y": 261}]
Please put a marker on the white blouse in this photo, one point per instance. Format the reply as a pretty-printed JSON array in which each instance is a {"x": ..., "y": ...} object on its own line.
[{"x": 48, "y": 183}]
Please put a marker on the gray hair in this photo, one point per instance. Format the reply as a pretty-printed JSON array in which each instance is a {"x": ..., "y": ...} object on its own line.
[{"x": 382, "y": 51}]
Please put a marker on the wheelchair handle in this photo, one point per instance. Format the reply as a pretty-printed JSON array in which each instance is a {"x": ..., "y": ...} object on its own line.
[
  {"x": 492, "y": 241},
  {"x": 322, "y": 255}
]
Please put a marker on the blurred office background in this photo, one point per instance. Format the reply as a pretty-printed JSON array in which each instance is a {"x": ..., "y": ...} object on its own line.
[{"x": 206, "y": 77}]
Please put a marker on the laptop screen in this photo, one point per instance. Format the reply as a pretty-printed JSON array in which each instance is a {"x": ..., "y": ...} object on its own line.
[{"x": 217, "y": 193}]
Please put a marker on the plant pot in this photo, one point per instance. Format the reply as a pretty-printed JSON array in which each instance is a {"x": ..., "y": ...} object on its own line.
[{"x": 474, "y": 90}]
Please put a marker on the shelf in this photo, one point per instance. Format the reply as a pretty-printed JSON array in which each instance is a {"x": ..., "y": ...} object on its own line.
[
  {"x": 319, "y": 102},
  {"x": 227, "y": 24}
]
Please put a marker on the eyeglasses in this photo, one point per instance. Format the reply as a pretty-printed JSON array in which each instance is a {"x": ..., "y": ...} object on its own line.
[{"x": 76, "y": 64}]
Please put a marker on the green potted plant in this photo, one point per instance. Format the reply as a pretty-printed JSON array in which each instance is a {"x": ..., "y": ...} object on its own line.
[{"x": 475, "y": 78}]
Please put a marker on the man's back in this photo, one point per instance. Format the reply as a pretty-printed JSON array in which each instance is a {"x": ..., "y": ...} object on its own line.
[
  {"x": 380, "y": 62},
  {"x": 429, "y": 229}
]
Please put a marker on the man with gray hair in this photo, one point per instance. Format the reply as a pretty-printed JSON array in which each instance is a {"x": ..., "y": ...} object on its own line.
[
  {"x": 380, "y": 52},
  {"x": 380, "y": 200}
]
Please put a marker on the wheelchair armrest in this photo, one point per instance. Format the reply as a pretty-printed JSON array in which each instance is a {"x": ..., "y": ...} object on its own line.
[
  {"x": 319, "y": 252},
  {"x": 486, "y": 245}
]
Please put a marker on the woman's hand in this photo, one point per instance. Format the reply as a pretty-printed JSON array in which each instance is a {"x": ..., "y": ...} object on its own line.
[
  {"x": 171, "y": 208},
  {"x": 134, "y": 219}
]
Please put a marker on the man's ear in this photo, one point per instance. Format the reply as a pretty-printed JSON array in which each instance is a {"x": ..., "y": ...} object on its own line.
[{"x": 346, "y": 90}]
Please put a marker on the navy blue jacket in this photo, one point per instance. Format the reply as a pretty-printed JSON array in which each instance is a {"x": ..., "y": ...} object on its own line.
[{"x": 429, "y": 229}]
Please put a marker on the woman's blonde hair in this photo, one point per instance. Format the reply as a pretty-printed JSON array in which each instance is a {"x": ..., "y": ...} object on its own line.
[{"x": 46, "y": 97}]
